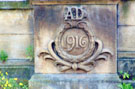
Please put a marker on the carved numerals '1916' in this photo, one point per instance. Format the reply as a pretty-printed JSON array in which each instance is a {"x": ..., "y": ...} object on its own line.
[{"x": 75, "y": 42}]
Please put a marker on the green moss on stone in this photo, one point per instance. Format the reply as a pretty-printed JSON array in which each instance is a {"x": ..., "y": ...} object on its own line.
[
  {"x": 14, "y": 5},
  {"x": 125, "y": 8}
]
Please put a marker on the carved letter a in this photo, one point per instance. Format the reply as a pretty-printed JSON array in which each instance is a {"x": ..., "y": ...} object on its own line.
[{"x": 69, "y": 14}]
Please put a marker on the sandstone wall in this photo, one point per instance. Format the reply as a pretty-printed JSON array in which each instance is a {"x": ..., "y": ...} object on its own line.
[
  {"x": 126, "y": 36},
  {"x": 16, "y": 33}
]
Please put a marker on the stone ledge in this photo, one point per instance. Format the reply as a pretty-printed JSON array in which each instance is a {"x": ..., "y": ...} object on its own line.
[
  {"x": 21, "y": 72},
  {"x": 22, "y": 69},
  {"x": 68, "y": 2},
  {"x": 126, "y": 54},
  {"x": 74, "y": 81},
  {"x": 16, "y": 62},
  {"x": 127, "y": 65}
]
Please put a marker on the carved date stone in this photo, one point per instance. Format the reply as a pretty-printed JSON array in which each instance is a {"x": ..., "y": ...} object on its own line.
[
  {"x": 72, "y": 39},
  {"x": 75, "y": 39}
]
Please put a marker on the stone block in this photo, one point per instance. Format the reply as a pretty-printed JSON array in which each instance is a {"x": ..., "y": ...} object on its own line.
[
  {"x": 48, "y": 23},
  {"x": 16, "y": 22},
  {"x": 126, "y": 38},
  {"x": 22, "y": 69},
  {"x": 74, "y": 81},
  {"x": 15, "y": 45},
  {"x": 127, "y": 65},
  {"x": 127, "y": 13}
]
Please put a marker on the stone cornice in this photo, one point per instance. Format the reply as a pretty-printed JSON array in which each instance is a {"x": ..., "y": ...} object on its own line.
[{"x": 57, "y": 2}]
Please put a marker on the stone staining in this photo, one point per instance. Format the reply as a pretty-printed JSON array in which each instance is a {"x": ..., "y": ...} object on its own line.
[{"x": 76, "y": 48}]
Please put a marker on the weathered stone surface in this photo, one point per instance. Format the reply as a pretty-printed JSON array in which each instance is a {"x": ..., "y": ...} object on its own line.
[
  {"x": 48, "y": 19},
  {"x": 74, "y": 81},
  {"x": 16, "y": 32},
  {"x": 126, "y": 38},
  {"x": 15, "y": 45},
  {"x": 127, "y": 13},
  {"x": 16, "y": 22},
  {"x": 22, "y": 69}
]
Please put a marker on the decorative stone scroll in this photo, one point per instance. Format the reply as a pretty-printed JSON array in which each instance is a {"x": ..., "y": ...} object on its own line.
[{"x": 76, "y": 48}]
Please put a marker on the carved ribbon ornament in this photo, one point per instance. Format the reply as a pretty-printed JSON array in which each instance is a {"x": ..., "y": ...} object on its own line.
[{"x": 76, "y": 48}]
